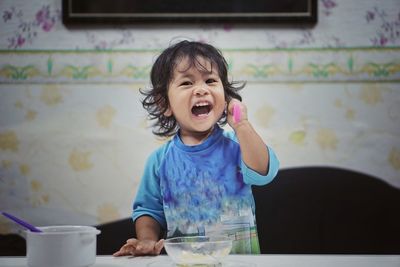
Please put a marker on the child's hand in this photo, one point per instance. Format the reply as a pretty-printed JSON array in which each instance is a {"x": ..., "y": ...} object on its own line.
[
  {"x": 137, "y": 247},
  {"x": 241, "y": 110}
]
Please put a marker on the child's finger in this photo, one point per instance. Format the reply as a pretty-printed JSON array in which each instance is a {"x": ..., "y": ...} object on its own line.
[
  {"x": 158, "y": 246},
  {"x": 132, "y": 241},
  {"x": 120, "y": 252},
  {"x": 124, "y": 251},
  {"x": 117, "y": 253},
  {"x": 128, "y": 248},
  {"x": 144, "y": 248}
]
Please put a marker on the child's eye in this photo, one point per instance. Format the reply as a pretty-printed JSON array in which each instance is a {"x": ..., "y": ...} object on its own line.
[
  {"x": 185, "y": 83},
  {"x": 211, "y": 81}
]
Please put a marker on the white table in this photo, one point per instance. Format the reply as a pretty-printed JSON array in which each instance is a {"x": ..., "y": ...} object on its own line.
[{"x": 242, "y": 261}]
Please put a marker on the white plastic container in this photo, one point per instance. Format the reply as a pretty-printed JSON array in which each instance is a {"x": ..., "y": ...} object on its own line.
[{"x": 62, "y": 246}]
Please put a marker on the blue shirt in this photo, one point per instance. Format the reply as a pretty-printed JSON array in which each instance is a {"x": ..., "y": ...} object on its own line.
[{"x": 203, "y": 189}]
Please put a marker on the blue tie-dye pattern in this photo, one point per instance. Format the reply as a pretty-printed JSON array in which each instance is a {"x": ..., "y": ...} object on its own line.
[{"x": 199, "y": 184}]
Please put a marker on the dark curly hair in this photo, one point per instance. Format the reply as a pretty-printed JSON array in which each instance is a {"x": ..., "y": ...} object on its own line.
[{"x": 156, "y": 98}]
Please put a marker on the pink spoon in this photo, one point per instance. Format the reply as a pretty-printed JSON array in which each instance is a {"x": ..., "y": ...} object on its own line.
[{"x": 236, "y": 113}]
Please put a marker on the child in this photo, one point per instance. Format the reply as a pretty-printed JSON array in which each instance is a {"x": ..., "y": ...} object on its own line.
[{"x": 199, "y": 182}]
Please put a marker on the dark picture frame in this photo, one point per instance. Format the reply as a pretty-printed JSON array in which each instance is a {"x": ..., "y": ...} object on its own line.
[{"x": 176, "y": 11}]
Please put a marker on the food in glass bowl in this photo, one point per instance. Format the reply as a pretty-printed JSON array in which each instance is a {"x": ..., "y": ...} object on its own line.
[{"x": 198, "y": 250}]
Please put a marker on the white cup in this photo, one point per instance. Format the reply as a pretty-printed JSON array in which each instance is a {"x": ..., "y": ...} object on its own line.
[{"x": 62, "y": 246}]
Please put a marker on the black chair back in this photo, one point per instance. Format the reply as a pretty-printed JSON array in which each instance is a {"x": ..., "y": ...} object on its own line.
[{"x": 324, "y": 210}]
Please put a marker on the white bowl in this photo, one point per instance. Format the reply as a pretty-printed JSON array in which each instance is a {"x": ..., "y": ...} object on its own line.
[
  {"x": 198, "y": 249},
  {"x": 62, "y": 246}
]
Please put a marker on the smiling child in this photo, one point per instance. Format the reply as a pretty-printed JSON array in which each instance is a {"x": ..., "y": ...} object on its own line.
[{"x": 199, "y": 182}]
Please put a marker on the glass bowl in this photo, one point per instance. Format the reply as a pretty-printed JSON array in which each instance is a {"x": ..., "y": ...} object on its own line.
[{"x": 198, "y": 250}]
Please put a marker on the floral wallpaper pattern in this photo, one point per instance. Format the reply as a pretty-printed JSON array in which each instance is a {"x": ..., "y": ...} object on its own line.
[
  {"x": 74, "y": 136},
  {"x": 372, "y": 23},
  {"x": 388, "y": 32},
  {"x": 28, "y": 31}
]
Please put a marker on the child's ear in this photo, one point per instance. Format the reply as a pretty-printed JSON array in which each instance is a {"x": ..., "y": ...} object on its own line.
[{"x": 168, "y": 112}]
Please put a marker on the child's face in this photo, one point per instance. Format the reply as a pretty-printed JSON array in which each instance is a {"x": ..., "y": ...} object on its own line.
[{"x": 196, "y": 97}]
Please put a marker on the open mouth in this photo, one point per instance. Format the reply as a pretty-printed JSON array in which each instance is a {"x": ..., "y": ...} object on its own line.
[{"x": 201, "y": 108}]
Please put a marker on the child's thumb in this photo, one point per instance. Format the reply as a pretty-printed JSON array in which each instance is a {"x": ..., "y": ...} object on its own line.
[{"x": 159, "y": 245}]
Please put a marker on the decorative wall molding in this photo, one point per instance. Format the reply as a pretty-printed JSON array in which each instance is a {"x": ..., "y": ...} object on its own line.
[{"x": 252, "y": 65}]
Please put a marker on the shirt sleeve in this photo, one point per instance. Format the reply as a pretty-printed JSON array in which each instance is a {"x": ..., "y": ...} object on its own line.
[
  {"x": 249, "y": 175},
  {"x": 148, "y": 199},
  {"x": 254, "y": 178}
]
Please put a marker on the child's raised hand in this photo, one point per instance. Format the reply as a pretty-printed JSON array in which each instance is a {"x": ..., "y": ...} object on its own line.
[
  {"x": 237, "y": 112},
  {"x": 137, "y": 247}
]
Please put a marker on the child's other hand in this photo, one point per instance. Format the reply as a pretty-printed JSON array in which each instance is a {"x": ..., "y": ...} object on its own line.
[
  {"x": 137, "y": 247},
  {"x": 243, "y": 113}
]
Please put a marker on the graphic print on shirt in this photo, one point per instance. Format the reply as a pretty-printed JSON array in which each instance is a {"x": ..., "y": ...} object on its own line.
[{"x": 204, "y": 193}]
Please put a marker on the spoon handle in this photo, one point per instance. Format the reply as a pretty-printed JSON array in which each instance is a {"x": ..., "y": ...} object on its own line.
[
  {"x": 236, "y": 113},
  {"x": 21, "y": 222}
]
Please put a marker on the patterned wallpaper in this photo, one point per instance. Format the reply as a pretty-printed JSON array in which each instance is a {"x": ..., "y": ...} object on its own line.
[{"x": 74, "y": 137}]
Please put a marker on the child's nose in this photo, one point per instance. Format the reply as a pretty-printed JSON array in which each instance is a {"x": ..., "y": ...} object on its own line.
[{"x": 201, "y": 90}]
